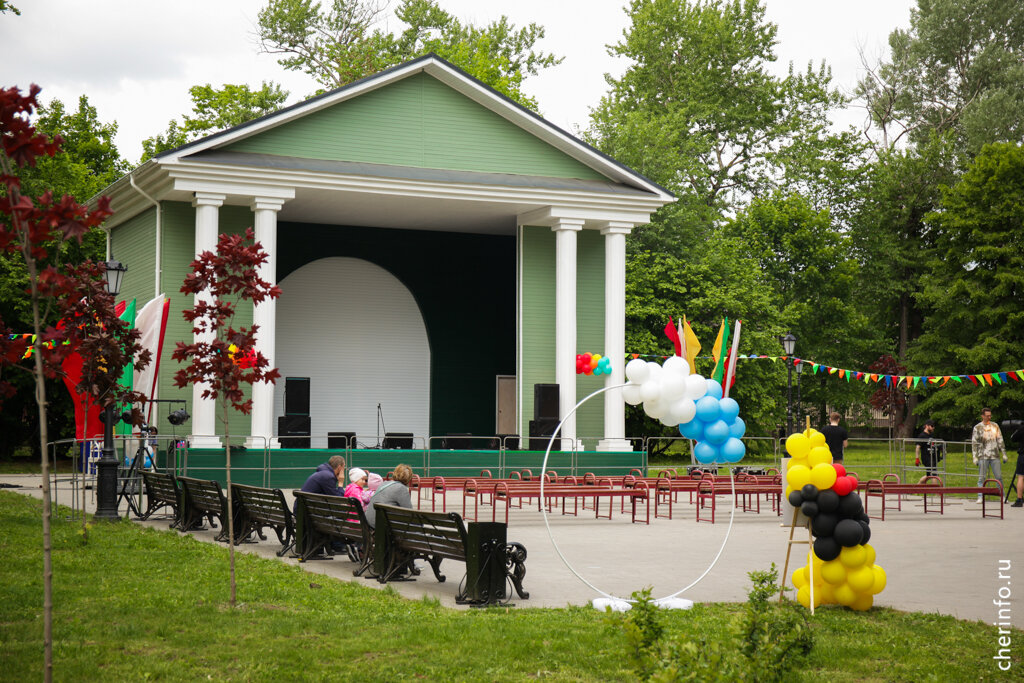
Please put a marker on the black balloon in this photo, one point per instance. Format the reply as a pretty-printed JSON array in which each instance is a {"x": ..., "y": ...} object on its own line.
[
  {"x": 848, "y": 533},
  {"x": 824, "y": 524},
  {"x": 866, "y": 530},
  {"x": 864, "y": 518},
  {"x": 796, "y": 499},
  {"x": 850, "y": 506},
  {"x": 828, "y": 501},
  {"x": 810, "y": 492},
  {"x": 826, "y": 548},
  {"x": 809, "y": 508}
]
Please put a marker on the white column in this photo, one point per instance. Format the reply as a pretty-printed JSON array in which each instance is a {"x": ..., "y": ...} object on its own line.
[
  {"x": 565, "y": 323},
  {"x": 204, "y": 410},
  {"x": 615, "y": 335},
  {"x": 265, "y": 316}
]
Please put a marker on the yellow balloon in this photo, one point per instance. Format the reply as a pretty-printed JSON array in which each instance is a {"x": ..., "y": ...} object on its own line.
[
  {"x": 798, "y": 476},
  {"x": 819, "y": 455},
  {"x": 861, "y": 579},
  {"x": 853, "y": 557},
  {"x": 845, "y": 595},
  {"x": 817, "y": 439},
  {"x": 789, "y": 490},
  {"x": 869, "y": 559},
  {"x": 863, "y": 602},
  {"x": 828, "y": 593},
  {"x": 800, "y": 578},
  {"x": 823, "y": 476},
  {"x": 798, "y": 445},
  {"x": 803, "y": 596},
  {"x": 834, "y": 572},
  {"x": 879, "y": 584}
]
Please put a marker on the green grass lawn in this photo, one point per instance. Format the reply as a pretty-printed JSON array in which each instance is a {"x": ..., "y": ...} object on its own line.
[{"x": 135, "y": 603}]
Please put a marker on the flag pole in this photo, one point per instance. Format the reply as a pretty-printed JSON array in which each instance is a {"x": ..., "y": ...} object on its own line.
[
  {"x": 731, "y": 370},
  {"x": 682, "y": 339}
]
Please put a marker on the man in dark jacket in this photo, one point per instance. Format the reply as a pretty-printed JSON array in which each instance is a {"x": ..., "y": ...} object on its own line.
[{"x": 327, "y": 478}]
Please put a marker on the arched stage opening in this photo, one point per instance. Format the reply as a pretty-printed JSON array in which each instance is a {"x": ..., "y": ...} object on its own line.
[{"x": 357, "y": 332}]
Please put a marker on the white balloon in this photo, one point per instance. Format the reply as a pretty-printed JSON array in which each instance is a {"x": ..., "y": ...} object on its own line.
[
  {"x": 696, "y": 387},
  {"x": 677, "y": 364},
  {"x": 631, "y": 394},
  {"x": 654, "y": 409},
  {"x": 636, "y": 371},
  {"x": 673, "y": 386},
  {"x": 668, "y": 419},
  {"x": 650, "y": 390},
  {"x": 684, "y": 410},
  {"x": 654, "y": 370}
]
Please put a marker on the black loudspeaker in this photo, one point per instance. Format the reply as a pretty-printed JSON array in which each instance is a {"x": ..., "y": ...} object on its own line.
[
  {"x": 545, "y": 400},
  {"x": 541, "y": 430},
  {"x": 341, "y": 440},
  {"x": 293, "y": 431},
  {"x": 485, "y": 561},
  {"x": 397, "y": 440},
  {"x": 458, "y": 441},
  {"x": 296, "y": 396}
]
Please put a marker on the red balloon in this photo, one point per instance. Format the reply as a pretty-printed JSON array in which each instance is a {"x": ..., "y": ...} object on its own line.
[
  {"x": 586, "y": 358},
  {"x": 588, "y": 370},
  {"x": 843, "y": 486},
  {"x": 854, "y": 482},
  {"x": 840, "y": 470}
]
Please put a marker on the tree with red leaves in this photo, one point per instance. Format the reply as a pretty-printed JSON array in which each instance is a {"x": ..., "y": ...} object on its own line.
[
  {"x": 220, "y": 281},
  {"x": 70, "y": 307}
]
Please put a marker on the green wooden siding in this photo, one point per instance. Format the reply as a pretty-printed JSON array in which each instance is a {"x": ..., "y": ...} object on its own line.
[
  {"x": 537, "y": 282},
  {"x": 418, "y": 122},
  {"x": 133, "y": 243}
]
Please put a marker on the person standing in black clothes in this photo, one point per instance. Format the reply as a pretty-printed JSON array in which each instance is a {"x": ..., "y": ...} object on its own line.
[
  {"x": 836, "y": 438},
  {"x": 928, "y": 453}
]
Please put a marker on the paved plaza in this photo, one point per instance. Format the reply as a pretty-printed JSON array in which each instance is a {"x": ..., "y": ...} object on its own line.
[{"x": 948, "y": 564}]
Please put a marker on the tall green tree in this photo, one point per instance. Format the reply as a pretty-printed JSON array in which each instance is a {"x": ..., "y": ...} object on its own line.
[
  {"x": 339, "y": 43},
  {"x": 215, "y": 109},
  {"x": 814, "y": 271},
  {"x": 973, "y": 290},
  {"x": 699, "y": 111}
]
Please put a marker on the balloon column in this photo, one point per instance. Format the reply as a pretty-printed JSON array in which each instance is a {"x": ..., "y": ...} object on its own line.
[
  {"x": 669, "y": 393},
  {"x": 593, "y": 364},
  {"x": 845, "y": 572}
]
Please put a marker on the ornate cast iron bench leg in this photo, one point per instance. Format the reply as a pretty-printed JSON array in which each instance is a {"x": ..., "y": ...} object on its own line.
[{"x": 515, "y": 567}]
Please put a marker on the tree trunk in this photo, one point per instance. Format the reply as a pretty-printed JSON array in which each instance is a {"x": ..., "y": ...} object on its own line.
[
  {"x": 231, "y": 509},
  {"x": 907, "y": 419},
  {"x": 43, "y": 439}
]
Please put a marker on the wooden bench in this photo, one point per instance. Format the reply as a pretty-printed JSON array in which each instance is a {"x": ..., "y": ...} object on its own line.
[
  {"x": 932, "y": 486},
  {"x": 321, "y": 519},
  {"x": 256, "y": 508},
  {"x": 161, "y": 491},
  {"x": 202, "y": 498},
  {"x": 404, "y": 535}
]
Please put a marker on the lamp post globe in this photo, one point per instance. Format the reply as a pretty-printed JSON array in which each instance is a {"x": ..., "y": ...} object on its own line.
[
  {"x": 106, "y": 466},
  {"x": 789, "y": 346}
]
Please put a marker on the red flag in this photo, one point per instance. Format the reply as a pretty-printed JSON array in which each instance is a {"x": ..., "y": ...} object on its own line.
[{"x": 672, "y": 333}]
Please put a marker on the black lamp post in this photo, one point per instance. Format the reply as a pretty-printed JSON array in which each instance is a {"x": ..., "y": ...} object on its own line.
[
  {"x": 799, "y": 397},
  {"x": 789, "y": 345},
  {"x": 106, "y": 466}
]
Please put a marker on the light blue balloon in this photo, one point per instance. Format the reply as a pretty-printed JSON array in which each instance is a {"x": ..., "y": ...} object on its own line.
[
  {"x": 694, "y": 429},
  {"x": 733, "y": 450},
  {"x": 714, "y": 389},
  {"x": 738, "y": 427},
  {"x": 716, "y": 433},
  {"x": 730, "y": 408},
  {"x": 705, "y": 453},
  {"x": 707, "y": 409}
]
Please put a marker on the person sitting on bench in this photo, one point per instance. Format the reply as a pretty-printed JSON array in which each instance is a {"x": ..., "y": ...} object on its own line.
[
  {"x": 328, "y": 478},
  {"x": 394, "y": 492}
]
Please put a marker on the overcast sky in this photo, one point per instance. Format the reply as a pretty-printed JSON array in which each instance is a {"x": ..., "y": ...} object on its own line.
[{"x": 136, "y": 59}]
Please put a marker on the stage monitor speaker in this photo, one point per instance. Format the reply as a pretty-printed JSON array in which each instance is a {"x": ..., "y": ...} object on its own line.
[
  {"x": 545, "y": 400},
  {"x": 541, "y": 430},
  {"x": 296, "y": 396},
  {"x": 341, "y": 440},
  {"x": 509, "y": 441},
  {"x": 458, "y": 441},
  {"x": 293, "y": 431},
  {"x": 397, "y": 440}
]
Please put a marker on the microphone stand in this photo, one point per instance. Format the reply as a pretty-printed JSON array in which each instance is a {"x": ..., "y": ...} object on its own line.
[{"x": 380, "y": 425}]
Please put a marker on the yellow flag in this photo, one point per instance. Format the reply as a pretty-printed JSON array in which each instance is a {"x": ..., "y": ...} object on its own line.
[{"x": 690, "y": 344}]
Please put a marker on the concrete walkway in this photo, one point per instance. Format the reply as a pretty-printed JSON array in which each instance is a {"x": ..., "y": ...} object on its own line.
[{"x": 948, "y": 564}]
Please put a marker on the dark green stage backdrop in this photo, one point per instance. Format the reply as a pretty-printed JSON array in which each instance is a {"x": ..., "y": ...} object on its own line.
[{"x": 465, "y": 287}]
